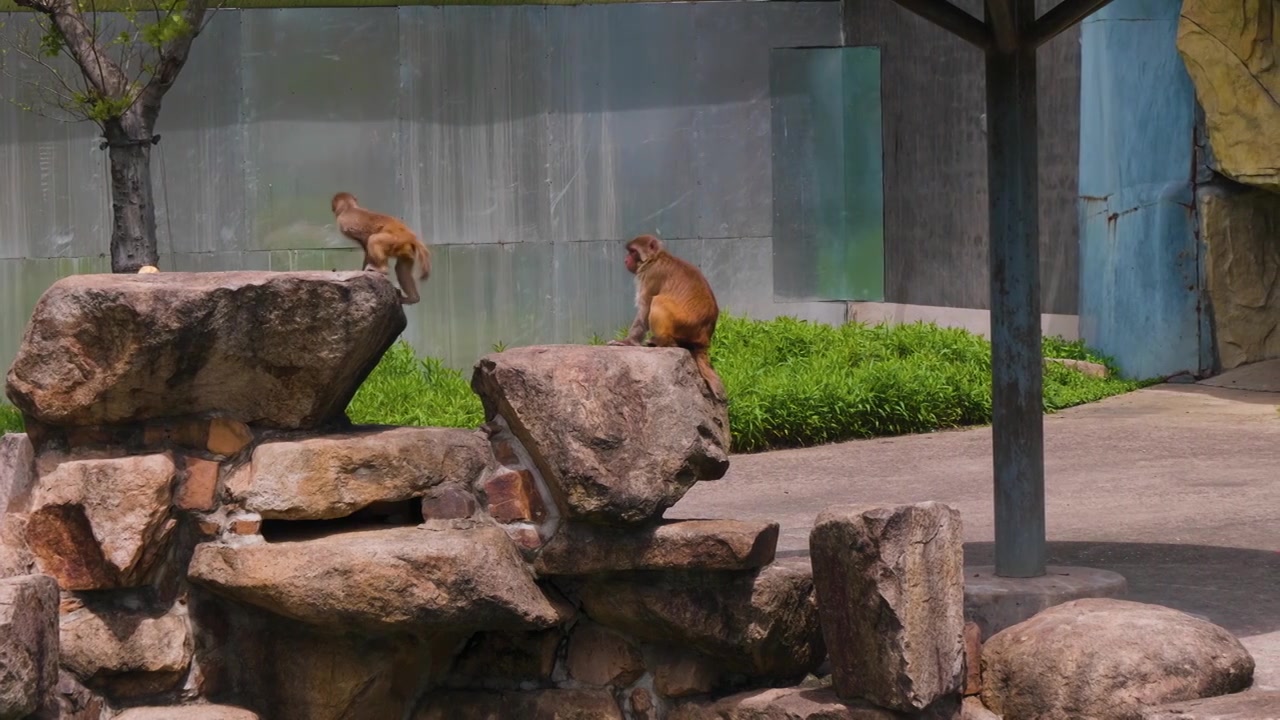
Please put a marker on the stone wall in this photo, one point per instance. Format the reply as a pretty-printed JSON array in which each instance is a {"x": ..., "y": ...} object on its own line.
[{"x": 192, "y": 529}]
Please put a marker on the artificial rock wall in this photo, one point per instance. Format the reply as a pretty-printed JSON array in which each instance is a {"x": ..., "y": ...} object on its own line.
[
  {"x": 197, "y": 531},
  {"x": 1231, "y": 53}
]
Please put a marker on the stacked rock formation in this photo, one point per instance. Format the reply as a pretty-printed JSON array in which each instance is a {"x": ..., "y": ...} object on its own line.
[{"x": 192, "y": 521}]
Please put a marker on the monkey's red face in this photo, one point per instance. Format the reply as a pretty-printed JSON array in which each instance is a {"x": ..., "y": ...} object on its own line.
[{"x": 633, "y": 259}]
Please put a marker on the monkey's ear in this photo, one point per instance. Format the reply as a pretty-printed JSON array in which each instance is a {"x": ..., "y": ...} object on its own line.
[{"x": 653, "y": 245}]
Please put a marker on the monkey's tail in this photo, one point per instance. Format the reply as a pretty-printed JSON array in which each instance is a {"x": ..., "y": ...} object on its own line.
[
  {"x": 424, "y": 260},
  {"x": 703, "y": 360}
]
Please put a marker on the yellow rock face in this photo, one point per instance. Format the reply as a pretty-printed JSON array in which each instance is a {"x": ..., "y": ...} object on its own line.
[{"x": 1230, "y": 50}]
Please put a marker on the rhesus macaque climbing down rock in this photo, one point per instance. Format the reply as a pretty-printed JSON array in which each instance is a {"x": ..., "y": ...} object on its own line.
[{"x": 383, "y": 237}]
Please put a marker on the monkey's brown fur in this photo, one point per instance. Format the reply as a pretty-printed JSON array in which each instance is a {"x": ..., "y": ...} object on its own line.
[
  {"x": 383, "y": 237},
  {"x": 674, "y": 303}
]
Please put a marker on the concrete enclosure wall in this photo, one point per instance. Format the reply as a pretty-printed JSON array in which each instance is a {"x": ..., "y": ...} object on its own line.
[
  {"x": 935, "y": 163},
  {"x": 524, "y": 142}
]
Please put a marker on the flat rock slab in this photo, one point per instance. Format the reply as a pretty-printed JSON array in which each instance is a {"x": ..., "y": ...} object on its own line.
[
  {"x": 795, "y": 703},
  {"x": 278, "y": 349},
  {"x": 619, "y": 434},
  {"x": 333, "y": 476},
  {"x": 28, "y": 643},
  {"x": 453, "y": 579},
  {"x": 1105, "y": 658},
  {"x": 581, "y": 549},
  {"x": 762, "y": 624},
  {"x": 1251, "y": 705},
  {"x": 188, "y": 712},
  {"x": 17, "y": 471}
]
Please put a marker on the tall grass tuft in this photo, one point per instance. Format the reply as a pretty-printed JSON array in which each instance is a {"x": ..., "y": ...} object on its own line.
[{"x": 406, "y": 390}]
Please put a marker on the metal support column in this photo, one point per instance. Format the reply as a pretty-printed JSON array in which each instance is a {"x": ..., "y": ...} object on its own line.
[{"x": 1016, "y": 363}]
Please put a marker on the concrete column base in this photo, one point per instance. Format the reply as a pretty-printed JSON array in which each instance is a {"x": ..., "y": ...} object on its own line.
[{"x": 995, "y": 603}]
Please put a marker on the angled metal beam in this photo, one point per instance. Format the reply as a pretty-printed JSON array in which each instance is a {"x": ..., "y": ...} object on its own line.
[
  {"x": 1004, "y": 30},
  {"x": 1062, "y": 16},
  {"x": 952, "y": 19},
  {"x": 1017, "y": 423}
]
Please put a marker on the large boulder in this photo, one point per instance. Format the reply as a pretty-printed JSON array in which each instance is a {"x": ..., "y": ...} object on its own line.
[
  {"x": 761, "y": 624},
  {"x": 97, "y": 524},
  {"x": 890, "y": 587},
  {"x": 1108, "y": 659},
  {"x": 618, "y": 433},
  {"x": 276, "y": 349},
  {"x": 126, "y": 653},
  {"x": 1231, "y": 52},
  {"x": 584, "y": 549},
  {"x": 28, "y": 644},
  {"x": 333, "y": 476},
  {"x": 412, "y": 579}
]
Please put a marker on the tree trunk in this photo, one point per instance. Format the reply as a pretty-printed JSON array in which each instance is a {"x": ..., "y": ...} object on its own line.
[{"x": 133, "y": 213}]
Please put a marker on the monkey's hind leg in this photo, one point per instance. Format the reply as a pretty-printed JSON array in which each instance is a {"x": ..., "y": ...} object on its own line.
[
  {"x": 404, "y": 274},
  {"x": 377, "y": 253},
  {"x": 662, "y": 322}
]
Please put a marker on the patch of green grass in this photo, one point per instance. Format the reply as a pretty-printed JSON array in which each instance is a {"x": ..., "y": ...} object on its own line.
[
  {"x": 10, "y": 420},
  {"x": 791, "y": 383},
  {"x": 406, "y": 390}
]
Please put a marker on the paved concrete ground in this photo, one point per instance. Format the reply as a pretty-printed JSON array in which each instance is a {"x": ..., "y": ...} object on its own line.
[{"x": 1176, "y": 487}]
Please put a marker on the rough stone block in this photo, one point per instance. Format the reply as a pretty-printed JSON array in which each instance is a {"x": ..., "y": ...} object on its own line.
[
  {"x": 763, "y": 624},
  {"x": 333, "y": 476},
  {"x": 582, "y": 549},
  {"x": 513, "y": 496},
  {"x": 99, "y": 524},
  {"x": 28, "y": 643},
  {"x": 679, "y": 674},
  {"x": 532, "y": 705},
  {"x": 189, "y": 433},
  {"x": 15, "y": 555},
  {"x": 126, "y": 653},
  {"x": 598, "y": 656},
  {"x": 890, "y": 587},
  {"x": 422, "y": 579},
  {"x": 1108, "y": 658},
  {"x": 279, "y": 349},
  {"x": 449, "y": 501},
  {"x": 972, "y": 659},
  {"x": 603, "y": 464},
  {"x": 227, "y": 436},
  {"x": 199, "y": 488},
  {"x": 17, "y": 471}
]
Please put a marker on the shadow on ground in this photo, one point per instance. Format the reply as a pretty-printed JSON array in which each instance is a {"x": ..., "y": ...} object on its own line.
[{"x": 1233, "y": 587}]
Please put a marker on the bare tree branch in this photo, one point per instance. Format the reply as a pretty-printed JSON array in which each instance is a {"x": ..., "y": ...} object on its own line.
[{"x": 103, "y": 74}]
